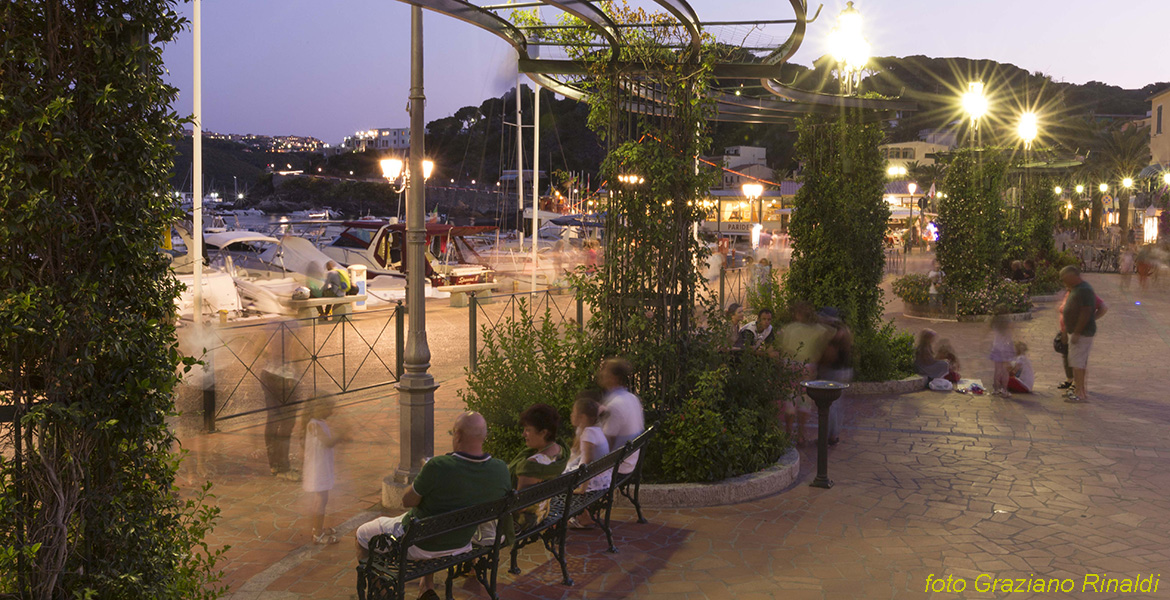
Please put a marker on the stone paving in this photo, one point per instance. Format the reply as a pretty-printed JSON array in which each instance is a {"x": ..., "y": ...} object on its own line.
[{"x": 927, "y": 485}]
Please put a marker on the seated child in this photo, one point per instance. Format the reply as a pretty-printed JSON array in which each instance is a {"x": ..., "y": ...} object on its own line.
[
  {"x": 589, "y": 445},
  {"x": 947, "y": 353},
  {"x": 1022, "y": 377}
]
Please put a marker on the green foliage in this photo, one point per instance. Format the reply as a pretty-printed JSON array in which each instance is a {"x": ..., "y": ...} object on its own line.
[
  {"x": 525, "y": 361},
  {"x": 710, "y": 440},
  {"x": 996, "y": 292},
  {"x": 87, "y": 309},
  {"x": 767, "y": 293},
  {"x": 971, "y": 222},
  {"x": 884, "y": 354},
  {"x": 839, "y": 222},
  {"x": 913, "y": 288}
]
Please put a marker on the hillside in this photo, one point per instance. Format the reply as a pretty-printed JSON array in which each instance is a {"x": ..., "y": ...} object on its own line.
[{"x": 475, "y": 144}]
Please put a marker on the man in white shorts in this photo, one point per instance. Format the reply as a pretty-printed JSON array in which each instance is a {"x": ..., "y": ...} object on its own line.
[
  {"x": 463, "y": 478},
  {"x": 1079, "y": 318}
]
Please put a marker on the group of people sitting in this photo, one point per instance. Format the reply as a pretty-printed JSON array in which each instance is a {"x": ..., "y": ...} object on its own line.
[
  {"x": 816, "y": 344},
  {"x": 603, "y": 420}
]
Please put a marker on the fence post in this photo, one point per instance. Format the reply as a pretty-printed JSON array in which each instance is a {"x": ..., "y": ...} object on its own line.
[
  {"x": 722, "y": 283},
  {"x": 344, "y": 371},
  {"x": 473, "y": 343},
  {"x": 399, "y": 342},
  {"x": 208, "y": 377},
  {"x": 580, "y": 311}
]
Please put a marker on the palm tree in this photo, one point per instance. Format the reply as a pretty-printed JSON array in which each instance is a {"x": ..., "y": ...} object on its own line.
[{"x": 1115, "y": 152}]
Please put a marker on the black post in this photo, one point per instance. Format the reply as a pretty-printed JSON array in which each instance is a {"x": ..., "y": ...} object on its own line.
[
  {"x": 823, "y": 393},
  {"x": 580, "y": 311},
  {"x": 472, "y": 330},
  {"x": 399, "y": 339},
  {"x": 209, "y": 393},
  {"x": 722, "y": 278}
]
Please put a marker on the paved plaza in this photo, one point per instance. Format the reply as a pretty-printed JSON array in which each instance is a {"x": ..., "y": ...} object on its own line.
[{"x": 929, "y": 485}]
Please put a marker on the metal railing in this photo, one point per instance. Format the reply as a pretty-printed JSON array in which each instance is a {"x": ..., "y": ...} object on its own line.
[
  {"x": 268, "y": 366},
  {"x": 733, "y": 285},
  {"x": 895, "y": 261},
  {"x": 490, "y": 312}
]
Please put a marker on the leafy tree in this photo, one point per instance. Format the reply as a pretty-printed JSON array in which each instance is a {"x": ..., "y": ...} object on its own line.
[{"x": 88, "y": 507}]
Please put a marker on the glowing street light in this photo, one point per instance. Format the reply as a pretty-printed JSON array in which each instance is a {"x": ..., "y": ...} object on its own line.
[
  {"x": 1104, "y": 187},
  {"x": 1127, "y": 183},
  {"x": 1166, "y": 178},
  {"x": 896, "y": 171},
  {"x": 849, "y": 46},
  {"x": 1080, "y": 189},
  {"x": 975, "y": 103},
  {"x": 1029, "y": 128},
  {"x": 754, "y": 190},
  {"x": 1058, "y": 190}
]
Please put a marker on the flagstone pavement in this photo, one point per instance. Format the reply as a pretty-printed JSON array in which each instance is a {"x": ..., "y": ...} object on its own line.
[{"x": 928, "y": 484}]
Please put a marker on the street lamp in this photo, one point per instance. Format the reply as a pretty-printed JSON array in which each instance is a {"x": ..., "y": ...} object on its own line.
[
  {"x": 896, "y": 171},
  {"x": 1127, "y": 183},
  {"x": 1058, "y": 190},
  {"x": 849, "y": 46},
  {"x": 753, "y": 191},
  {"x": 1166, "y": 178},
  {"x": 975, "y": 103},
  {"x": 1028, "y": 129},
  {"x": 398, "y": 174},
  {"x": 1104, "y": 187}
]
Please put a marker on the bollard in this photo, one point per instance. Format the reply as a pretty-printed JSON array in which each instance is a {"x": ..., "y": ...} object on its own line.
[
  {"x": 399, "y": 340},
  {"x": 357, "y": 276},
  {"x": 208, "y": 382},
  {"x": 473, "y": 343}
]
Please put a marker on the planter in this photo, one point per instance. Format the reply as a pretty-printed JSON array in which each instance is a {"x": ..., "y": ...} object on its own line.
[
  {"x": 915, "y": 383},
  {"x": 1013, "y": 317},
  {"x": 940, "y": 313},
  {"x": 729, "y": 491},
  {"x": 1045, "y": 298}
]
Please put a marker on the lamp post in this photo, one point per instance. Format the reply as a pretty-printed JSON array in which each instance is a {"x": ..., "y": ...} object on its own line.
[
  {"x": 975, "y": 105},
  {"x": 849, "y": 47},
  {"x": 416, "y": 387}
]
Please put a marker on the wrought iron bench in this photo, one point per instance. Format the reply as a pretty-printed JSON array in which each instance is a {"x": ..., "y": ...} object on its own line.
[
  {"x": 625, "y": 482},
  {"x": 384, "y": 574},
  {"x": 553, "y": 530}
]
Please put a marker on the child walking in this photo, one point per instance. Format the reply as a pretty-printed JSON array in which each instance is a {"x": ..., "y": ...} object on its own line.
[
  {"x": 318, "y": 468},
  {"x": 1002, "y": 352},
  {"x": 589, "y": 445}
]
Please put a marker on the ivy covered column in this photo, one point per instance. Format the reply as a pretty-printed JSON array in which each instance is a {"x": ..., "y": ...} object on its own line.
[
  {"x": 970, "y": 219},
  {"x": 839, "y": 219}
]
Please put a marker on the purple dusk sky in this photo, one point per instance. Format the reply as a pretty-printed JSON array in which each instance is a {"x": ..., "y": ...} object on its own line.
[{"x": 327, "y": 69}]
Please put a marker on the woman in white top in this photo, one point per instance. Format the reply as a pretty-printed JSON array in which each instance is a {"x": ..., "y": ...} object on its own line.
[
  {"x": 318, "y": 468},
  {"x": 589, "y": 445}
]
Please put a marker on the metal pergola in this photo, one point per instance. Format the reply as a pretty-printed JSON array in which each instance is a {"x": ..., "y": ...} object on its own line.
[{"x": 783, "y": 105}]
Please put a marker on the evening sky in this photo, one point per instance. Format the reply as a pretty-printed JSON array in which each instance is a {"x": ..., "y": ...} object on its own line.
[{"x": 326, "y": 69}]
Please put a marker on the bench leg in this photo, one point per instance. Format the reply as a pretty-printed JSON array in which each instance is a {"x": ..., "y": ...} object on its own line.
[
  {"x": 450, "y": 583},
  {"x": 633, "y": 498},
  {"x": 595, "y": 513},
  {"x": 556, "y": 547},
  {"x": 514, "y": 569}
]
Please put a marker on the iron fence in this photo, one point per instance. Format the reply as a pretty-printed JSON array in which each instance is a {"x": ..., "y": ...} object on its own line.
[
  {"x": 490, "y": 312},
  {"x": 262, "y": 367},
  {"x": 895, "y": 261},
  {"x": 733, "y": 285}
]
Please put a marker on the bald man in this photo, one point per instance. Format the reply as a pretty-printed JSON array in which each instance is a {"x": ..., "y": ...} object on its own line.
[{"x": 463, "y": 478}]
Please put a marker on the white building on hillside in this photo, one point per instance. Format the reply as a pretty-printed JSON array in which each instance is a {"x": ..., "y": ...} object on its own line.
[
  {"x": 749, "y": 163},
  {"x": 377, "y": 139}
]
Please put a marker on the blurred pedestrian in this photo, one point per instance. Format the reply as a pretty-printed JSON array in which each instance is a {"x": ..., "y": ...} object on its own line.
[
  {"x": 1080, "y": 311},
  {"x": 1002, "y": 351},
  {"x": 318, "y": 468},
  {"x": 802, "y": 342},
  {"x": 836, "y": 363}
]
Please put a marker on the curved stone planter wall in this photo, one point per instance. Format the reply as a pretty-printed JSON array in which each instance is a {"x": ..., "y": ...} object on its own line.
[
  {"x": 916, "y": 383},
  {"x": 729, "y": 491},
  {"x": 1047, "y": 298},
  {"x": 927, "y": 312}
]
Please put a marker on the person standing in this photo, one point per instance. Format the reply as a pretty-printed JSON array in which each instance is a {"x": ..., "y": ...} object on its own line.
[
  {"x": 836, "y": 363},
  {"x": 1080, "y": 319}
]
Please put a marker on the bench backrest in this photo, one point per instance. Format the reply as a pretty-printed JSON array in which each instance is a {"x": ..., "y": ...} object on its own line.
[
  {"x": 609, "y": 462},
  {"x": 545, "y": 490},
  {"x": 421, "y": 530}
]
